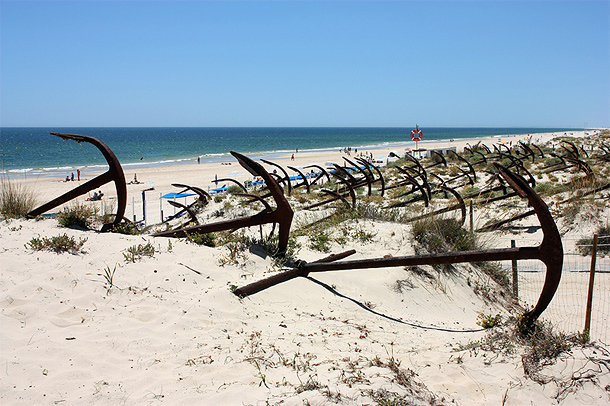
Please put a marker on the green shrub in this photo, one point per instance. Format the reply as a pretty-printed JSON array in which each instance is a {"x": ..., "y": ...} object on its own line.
[
  {"x": 207, "y": 239},
  {"x": 320, "y": 241},
  {"x": 234, "y": 189},
  {"x": 79, "y": 215},
  {"x": 136, "y": 252},
  {"x": 128, "y": 228},
  {"x": 488, "y": 321},
  {"x": 443, "y": 235},
  {"x": 549, "y": 188},
  {"x": 16, "y": 200},
  {"x": 60, "y": 243}
]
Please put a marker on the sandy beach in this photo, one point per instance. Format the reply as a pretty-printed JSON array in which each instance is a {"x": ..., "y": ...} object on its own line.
[
  {"x": 202, "y": 175},
  {"x": 170, "y": 331}
]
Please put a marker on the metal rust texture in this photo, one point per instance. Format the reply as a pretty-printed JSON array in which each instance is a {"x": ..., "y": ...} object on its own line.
[
  {"x": 285, "y": 179},
  {"x": 183, "y": 208},
  {"x": 321, "y": 175},
  {"x": 550, "y": 252},
  {"x": 499, "y": 224},
  {"x": 470, "y": 168},
  {"x": 528, "y": 151},
  {"x": 204, "y": 196},
  {"x": 114, "y": 174},
  {"x": 337, "y": 195},
  {"x": 285, "y": 276},
  {"x": 411, "y": 179},
  {"x": 460, "y": 205},
  {"x": 376, "y": 169},
  {"x": 303, "y": 177},
  {"x": 366, "y": 179},
  {"x": 238, "y": 183},
  {"x": 443, "y": 161},
  {"x": 282, "y": 214}
]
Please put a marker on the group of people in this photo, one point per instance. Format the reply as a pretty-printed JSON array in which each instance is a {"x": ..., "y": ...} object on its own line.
[
  {"x": 71, "y": 178},
  {"x": 96, "y": 196}
]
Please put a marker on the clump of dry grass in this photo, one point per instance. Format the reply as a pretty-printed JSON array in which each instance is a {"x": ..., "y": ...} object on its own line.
[{"x": 16, "y": 200}]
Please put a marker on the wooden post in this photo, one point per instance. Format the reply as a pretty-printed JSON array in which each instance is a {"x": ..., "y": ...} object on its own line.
[
  {"x": 591, "y": 284},
  {"x": 515, "y": 272},
  {"x": 471, "y": 219}
]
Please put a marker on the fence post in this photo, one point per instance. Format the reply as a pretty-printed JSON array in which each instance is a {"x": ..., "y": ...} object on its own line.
[
  {"x": 515, "y": 272},
  {"x": 591, "y": 284},
  {"x": 471, "y": 219}
]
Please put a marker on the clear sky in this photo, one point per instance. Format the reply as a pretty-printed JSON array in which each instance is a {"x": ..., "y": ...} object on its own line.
[{"x": 305, "y": 64}]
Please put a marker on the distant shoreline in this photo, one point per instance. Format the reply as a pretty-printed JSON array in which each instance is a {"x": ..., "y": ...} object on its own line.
[{"x": 60, "y": 171}]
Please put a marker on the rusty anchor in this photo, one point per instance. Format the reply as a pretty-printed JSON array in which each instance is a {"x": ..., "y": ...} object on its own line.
[
  {"x": 114, "y": 173},
  {"x": 372, "y": 168},
  {"x": 282, "y": 214},
  {"x": 550, "y": 252}
]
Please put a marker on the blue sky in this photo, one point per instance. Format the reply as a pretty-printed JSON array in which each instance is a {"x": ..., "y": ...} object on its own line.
[{"x": 305, "y": 64}]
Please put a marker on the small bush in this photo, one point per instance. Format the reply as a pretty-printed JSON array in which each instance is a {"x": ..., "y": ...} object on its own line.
[
  {"x": 443, "y": 235},
  {"x": 16, "y": 200},
  {"x": 60, "y": 243},
  {"x": 320, "y": 241},
  {"x": 207, "y": 239},
  {"x": 488, "y": 321},
  {"x": 136, "y": 252},
  {"x": 79, "y": 215},
  {"x": 234, "y": 189},
  {"x": 549, "y": 188},
  {"x": 128, "y": 228}
]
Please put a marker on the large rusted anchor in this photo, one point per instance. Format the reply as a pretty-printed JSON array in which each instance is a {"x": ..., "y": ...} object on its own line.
[
  {"x": 550, "y": 252},
  {"x": 282, "y": 214},
  {"x": 114, "y": 173}
]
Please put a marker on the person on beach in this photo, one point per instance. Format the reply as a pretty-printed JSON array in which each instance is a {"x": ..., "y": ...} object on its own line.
[
  {"x": 78, "y": 174},
  {"x": 292, "y": 157},
  {"x": 198, "y": 159},
  {"x": 72, "y": 179}
]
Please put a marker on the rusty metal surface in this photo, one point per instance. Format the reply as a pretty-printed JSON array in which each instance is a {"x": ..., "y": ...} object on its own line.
[
  {"x": 114, "y": 174},
  {"x": 238, "y": 183},
  {"x": 550, "y": 252},
  {"x": 282, "y": 214},
  {"x": 303, "y": 177},
  {"x": 285, "y": 276},
  {"x": 460, "y": 205},
  {"x": 187, "y": 209},
  {"x": 203, "y": 195},
  {"x": 285, "y": 179}
]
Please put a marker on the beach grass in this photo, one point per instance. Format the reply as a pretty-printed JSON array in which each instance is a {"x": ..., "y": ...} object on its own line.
[{"x": 16, "y": 200}]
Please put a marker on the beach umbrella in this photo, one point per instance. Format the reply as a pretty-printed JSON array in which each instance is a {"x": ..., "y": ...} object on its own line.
[{"x": 176, "y": 195}]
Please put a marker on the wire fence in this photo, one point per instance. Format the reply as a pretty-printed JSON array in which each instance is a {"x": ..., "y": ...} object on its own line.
[{"x": 567, "y": 310}]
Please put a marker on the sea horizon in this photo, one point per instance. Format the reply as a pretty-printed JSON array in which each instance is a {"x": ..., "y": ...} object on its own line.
[{"x": 34, "y": 151}]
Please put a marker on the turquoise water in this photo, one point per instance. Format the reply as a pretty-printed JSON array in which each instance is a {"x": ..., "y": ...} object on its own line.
[{"x": 35, "y": 151}]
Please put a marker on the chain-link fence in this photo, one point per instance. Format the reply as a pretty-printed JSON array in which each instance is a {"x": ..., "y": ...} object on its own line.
[{"x": 567, "y": 310}]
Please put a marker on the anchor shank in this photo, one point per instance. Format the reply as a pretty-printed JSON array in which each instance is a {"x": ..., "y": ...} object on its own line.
[
  {"x": 78, "y": 191},
  {"x": 502, "y": 254}
]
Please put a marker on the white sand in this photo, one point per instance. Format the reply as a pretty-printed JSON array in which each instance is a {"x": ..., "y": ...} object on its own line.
[{"x": 171, "y": 331}]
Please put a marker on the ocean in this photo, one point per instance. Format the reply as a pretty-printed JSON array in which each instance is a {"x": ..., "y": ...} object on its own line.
[{"x": 33, "y": 151}]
